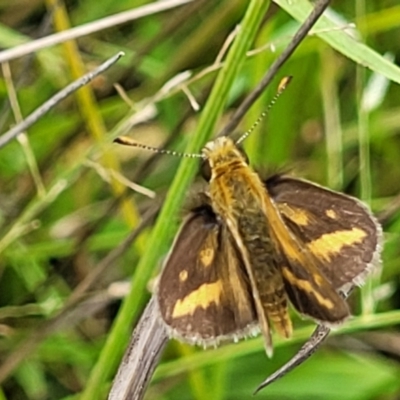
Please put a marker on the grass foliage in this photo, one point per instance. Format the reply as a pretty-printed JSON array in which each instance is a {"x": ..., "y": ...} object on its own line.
[{"x": 65, "y": 204}]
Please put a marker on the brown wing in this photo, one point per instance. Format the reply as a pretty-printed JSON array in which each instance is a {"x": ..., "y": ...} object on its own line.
[
  {"x": 203, "y": 292},
  {"x": 308, "y": 289},
  {"x": 337, "y": 229}
]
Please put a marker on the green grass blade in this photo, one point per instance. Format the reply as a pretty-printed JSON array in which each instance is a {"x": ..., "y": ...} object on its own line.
[
  {"x": 341, "y": 41},
  {"x": 163, "y": 229}
]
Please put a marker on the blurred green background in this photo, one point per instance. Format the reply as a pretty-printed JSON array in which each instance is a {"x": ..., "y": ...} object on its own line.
[{"x": 68, "y": 195}]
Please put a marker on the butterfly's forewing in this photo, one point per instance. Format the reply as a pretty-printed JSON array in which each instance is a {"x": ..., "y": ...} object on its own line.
[
  {"x": 204, "y": 295},
  {"x": 338, "y": 229},
  {"x": 339, "y": 237}
]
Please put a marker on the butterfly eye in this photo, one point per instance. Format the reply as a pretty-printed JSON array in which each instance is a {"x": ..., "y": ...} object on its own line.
[{"x": 205, "y": 170}]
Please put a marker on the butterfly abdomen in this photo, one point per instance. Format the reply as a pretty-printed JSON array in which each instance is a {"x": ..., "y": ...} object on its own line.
[{"x": 265, "y": 264}]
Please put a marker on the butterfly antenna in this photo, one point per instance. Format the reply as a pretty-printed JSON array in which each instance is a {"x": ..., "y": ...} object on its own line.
[
  {"x": 126, "y": 141},
  {"x": 281, "y": 88}
]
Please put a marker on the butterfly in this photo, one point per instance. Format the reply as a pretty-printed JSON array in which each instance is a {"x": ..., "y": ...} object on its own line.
[{"x": 251, "y": 247}]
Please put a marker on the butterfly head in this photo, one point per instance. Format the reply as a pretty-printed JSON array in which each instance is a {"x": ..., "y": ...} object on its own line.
[{"x": 219, "y": 155}]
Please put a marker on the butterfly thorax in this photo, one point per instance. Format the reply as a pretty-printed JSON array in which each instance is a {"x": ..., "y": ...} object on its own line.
[{"x": 235, "y": 189}]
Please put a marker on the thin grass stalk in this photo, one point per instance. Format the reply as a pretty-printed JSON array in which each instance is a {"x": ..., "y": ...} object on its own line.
[
  {"x": 89, "y": 111},
  {"x": 163, "y": 230},
  {"x": 242, "y": 349}
]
